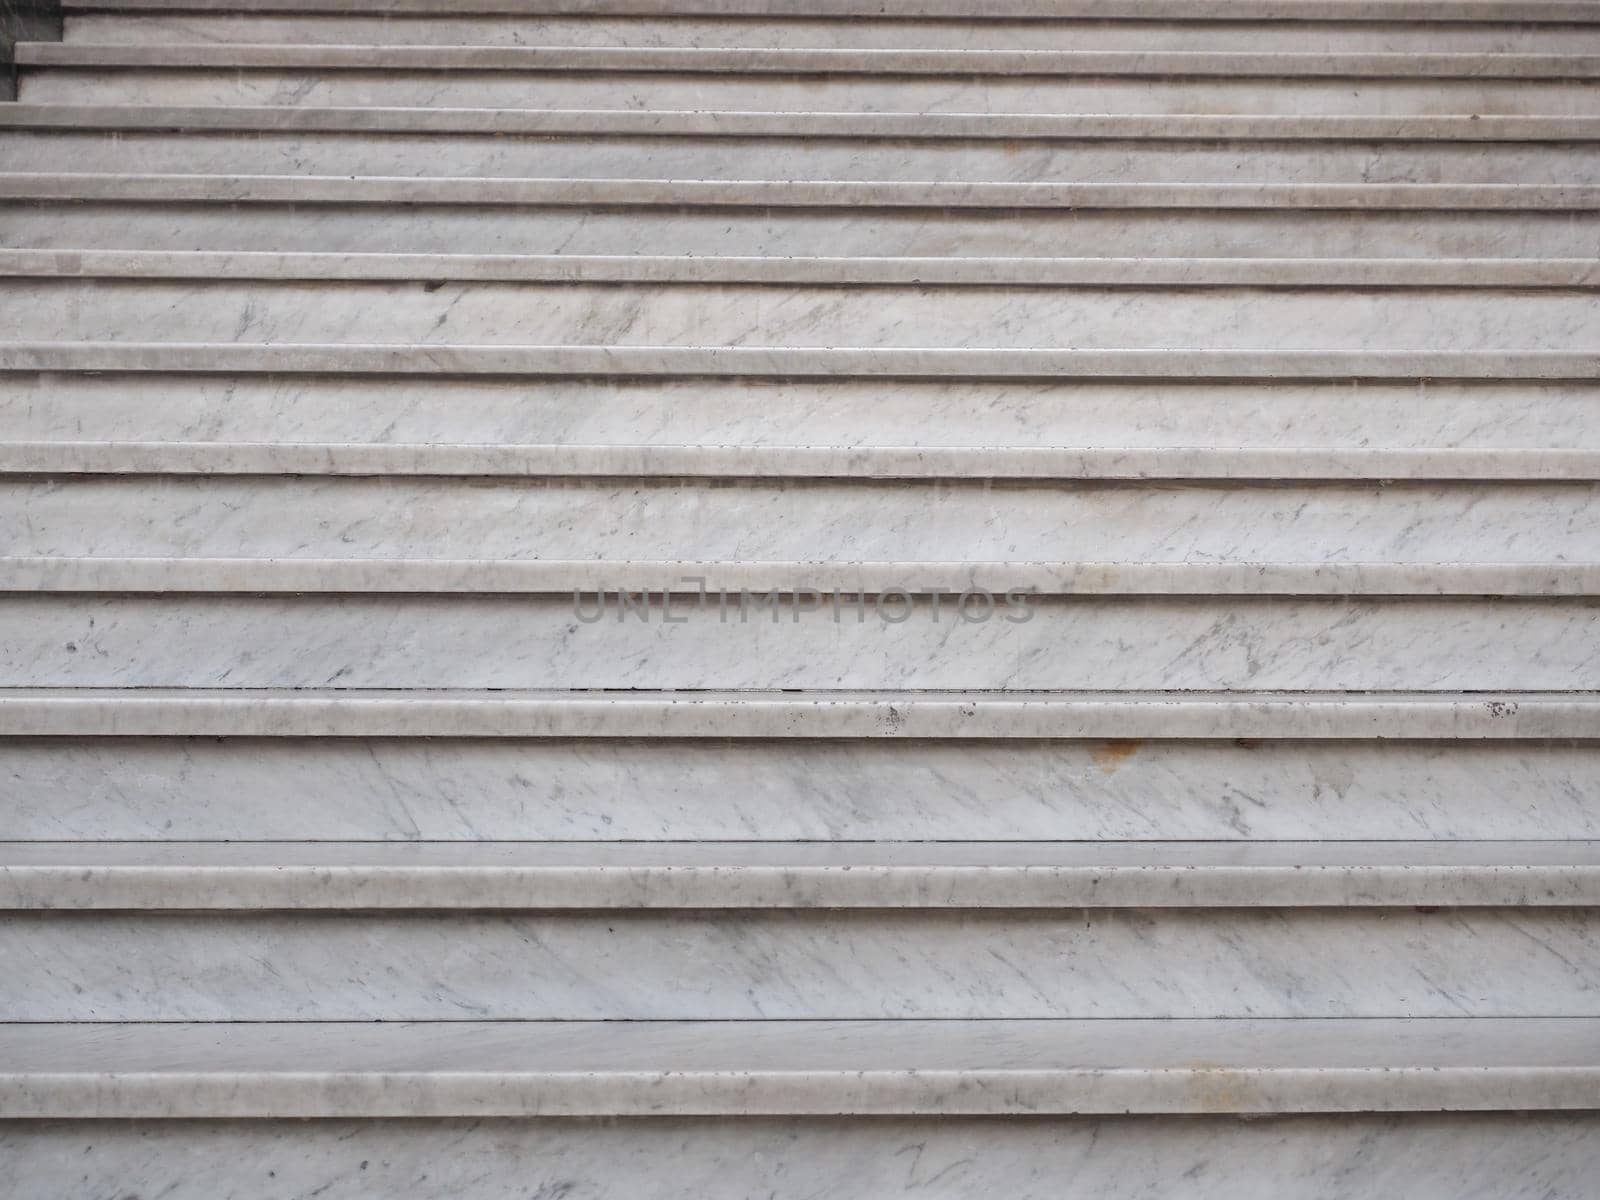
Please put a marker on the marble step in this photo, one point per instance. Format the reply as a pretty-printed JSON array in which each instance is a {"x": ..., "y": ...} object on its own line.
[
  {"x": 802, "y": 320},
  {"x": 802, "y": 125},
  {"x": 1417, "y": 236},
  {"x": 1537, "y": 11},
  {"x": 970, "y": 271},
  {"x": 812, "y": 462},
  {"x": 791, "y": 362},
  {"x": 320, "y": 425},
  {"x": 1347, "y": 1156},
  {"x": 797, "y": 194},
  {"x": 487, "y": 1069},
  {"x": 446, "y": 876},
  {"x": 310, "y": 86},
  {"x": 788, "y": 61},
  {"x": 718, "y": 157},
  {"x": 884, "y": 31},
  {"x": 976, "y": 640},
  {"x": 802, "y": 964},
  {"x": 396, "y": 789},
  {"x": 601, "y": 521},
  {"x": 307, "y": 712}
]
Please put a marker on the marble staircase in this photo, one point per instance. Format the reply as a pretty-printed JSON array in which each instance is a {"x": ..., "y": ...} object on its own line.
[{"x": 801, "y": 598}]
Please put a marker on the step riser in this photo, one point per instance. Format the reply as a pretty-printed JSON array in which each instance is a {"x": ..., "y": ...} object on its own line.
[
  {"x": 997, "y": 94},
  {"x": 233, "y": 518},
  {"x": 442, "y": 878},
  {"x": 543, "y": 643},
  {"x": 443, "y": 789},
  {"x": 1427, "y": 1157},
  {"x": 725, "y": 158},
  {"x": 752, "y": 413},
  {"x": 860, "y": 32},
  {"x": 1192, "y": 233},
  {"x": 676, "y": 314},
  {"x": 746, "y": 966}
]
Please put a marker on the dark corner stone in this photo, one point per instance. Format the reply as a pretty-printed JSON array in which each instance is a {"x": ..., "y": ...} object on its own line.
[{"x": 24, "y": 21}]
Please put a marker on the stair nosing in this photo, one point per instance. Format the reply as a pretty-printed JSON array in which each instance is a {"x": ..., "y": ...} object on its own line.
[
  {"x": 970, "y": 271},
  {"x": 572, "y": 361},
  {"x": 476, "y": 876},
  {"x": 501, "y": 191},
  {"x": 798, "y": 124},
  {"x": 96, "y": 712},
  {"x": 104, "y": 575},
  {"x": 763, "y": 62},
  {"x": 638, "y": 1068}
]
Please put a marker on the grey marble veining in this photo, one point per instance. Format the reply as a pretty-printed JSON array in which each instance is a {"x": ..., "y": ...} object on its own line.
[
  {"x": 444, "y": 28},
  {"x": 604, "y": 520},
  {"x": 748, "y": 965},
  {"x": 758, "y": 413},
  {"x": 896, "y": 64},
  {"x": 535, "y": 643},
  {"x": 797, "y": 1068},
  {"x": 414, "y": 838},
  {"x": 874, "y": 271},
  {"x": 152, "y": 225},
  {"x": 430, "y": 789},
  {"x": 417, "y": 712},
  {"x": 560, "y": 876},
  {"x": 1350, "y": 1157},
  {"x": 223, "y": 85},
  {"x": 725, "y": 158},
  {"x": 980, "y": 127},
  {"x": 796, "y": 316}
]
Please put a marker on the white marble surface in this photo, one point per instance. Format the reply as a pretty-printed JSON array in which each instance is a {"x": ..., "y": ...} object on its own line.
[
  {"x": 794, "y": 316},
  {"x": 993, "y": 65},
  {"x": 784, "y": 522},
  {"x": 304, "y": 712},
  {"x": 566, "y": 361},
  {"x": 1168, "y": 127},
  {"x": 776, "y": 521},
  {"x": 305, "y": 87},
  {"x": 806, "y": 463},
  {"x": 886, "y": 585},
  {"x": 445, "y": 412},
  {"x": 1347, "y": 1157},
  {"x": 798, "y": 158},
  {"x": 1183, "y": 644},
  {"x": 152, "y": 225},
  {"x": 444, "y": 28},
  {"x": 931, "y": 195},
  {"x": 983, "y": 964},
  {"x": 1019, "y": 976},
  {"x": 443, "y": 876},
  {"x": 647, "y": 790},
  {"x": 797, "y": 1068},
  {"x": 1535, "y": 11},
  {"x": 962, "y": 271}
]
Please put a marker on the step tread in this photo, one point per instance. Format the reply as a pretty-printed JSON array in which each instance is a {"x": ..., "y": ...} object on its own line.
[
  {"x": 974, "y": 270},
  {"x": 203, "y": 56},
  {"x": 791, "y": 362},
  {"x": 155, "y": 876},
  {"x": 1179, "y": 127},
  {"x": 490, "y": 191},
  {"x": 314, "y": 1069},
  {"x": 203, "y": 712}
]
